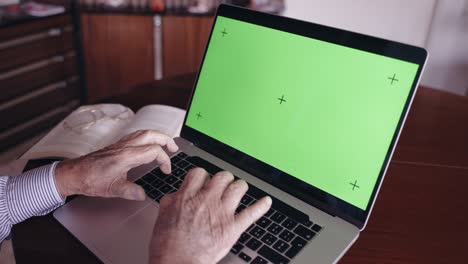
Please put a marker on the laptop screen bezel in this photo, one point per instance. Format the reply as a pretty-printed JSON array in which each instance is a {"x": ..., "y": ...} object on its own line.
[{"x": 309, "y": 194}]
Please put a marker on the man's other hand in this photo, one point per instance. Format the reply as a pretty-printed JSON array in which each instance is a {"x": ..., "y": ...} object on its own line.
[
  {"x": 104, "y": 172},
  {"x": 197, "y": 224}
]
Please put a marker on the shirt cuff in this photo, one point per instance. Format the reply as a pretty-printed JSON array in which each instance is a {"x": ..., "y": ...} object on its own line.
[
  {"x": 32, "y": 193},
  {"x": 53, "y": 183}
]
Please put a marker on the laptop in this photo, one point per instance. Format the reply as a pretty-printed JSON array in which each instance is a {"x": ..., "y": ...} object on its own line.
[{"x": 305, "y": 113}]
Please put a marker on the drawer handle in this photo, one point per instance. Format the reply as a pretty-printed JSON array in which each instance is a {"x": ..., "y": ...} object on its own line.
[{"x": 54, "y": 32}]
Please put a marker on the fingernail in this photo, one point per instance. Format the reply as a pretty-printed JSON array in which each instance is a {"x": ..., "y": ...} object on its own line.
[
  {"x": 166, "y": 168},
  {"x": 139, "y": 196},
  {"x": 268, "y": 200}
]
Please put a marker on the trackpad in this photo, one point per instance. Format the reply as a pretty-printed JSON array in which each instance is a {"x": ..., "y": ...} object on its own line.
[
  {"x": 129, "y": 242},
  {"x": 91, "y": 217}
]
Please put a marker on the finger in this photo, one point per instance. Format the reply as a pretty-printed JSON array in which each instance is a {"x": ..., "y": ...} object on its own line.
[
  {"x": 233, "y": 194},
  {"x": 167, "y": 201},
  {"x": 128, "y": 190},
  {"x": 194, "y": 181},
  {"x": 218, "y": 183},
  {"x": 136, "y": 156},
  {"x": 252, "y": 213},
  {"x": 147, "y": 137}
]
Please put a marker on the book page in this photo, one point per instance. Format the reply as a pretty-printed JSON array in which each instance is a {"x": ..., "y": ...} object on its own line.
[
  {"x": 163, "y": 118},
  {"x": 87, "y": 129}
]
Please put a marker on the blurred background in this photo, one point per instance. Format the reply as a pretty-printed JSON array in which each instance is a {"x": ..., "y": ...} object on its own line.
[{"x": 56, "y": 55}]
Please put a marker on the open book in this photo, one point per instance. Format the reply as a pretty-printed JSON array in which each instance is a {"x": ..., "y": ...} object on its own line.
[{"x": 93, "y": 127}]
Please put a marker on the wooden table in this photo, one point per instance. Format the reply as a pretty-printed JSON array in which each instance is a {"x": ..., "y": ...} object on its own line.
[{"x": 421, "y": 214}]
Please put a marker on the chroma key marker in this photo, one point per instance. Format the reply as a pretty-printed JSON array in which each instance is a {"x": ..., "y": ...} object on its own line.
[
  {"x": 224, "y": 32},
  {"x": 282, "y": 99},
  {"x": 354, "y": 184}
]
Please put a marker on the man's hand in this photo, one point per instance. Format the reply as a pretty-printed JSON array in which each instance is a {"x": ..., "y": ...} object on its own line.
[
  {"x": 104, "y": 172},
  {"x": 197, "y": 224}
]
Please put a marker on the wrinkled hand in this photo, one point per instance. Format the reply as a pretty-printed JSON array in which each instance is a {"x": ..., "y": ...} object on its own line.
[
  {"x": 197, "y": 224},
  {"x": 104, "y": 172}
]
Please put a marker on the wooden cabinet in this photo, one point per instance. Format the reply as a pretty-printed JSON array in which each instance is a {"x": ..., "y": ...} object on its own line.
[
  {"x": 120, "y": 50},
  {"x": 184, "y": 42},
  {"x": 118, "y": 53},
  {"x": 39, "y": 80}
]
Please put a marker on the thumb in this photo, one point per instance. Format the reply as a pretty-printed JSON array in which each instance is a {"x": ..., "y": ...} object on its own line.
[{"x": 128, "y": 190}]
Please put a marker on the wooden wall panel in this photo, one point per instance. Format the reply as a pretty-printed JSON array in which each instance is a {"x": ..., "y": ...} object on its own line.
[
  {"x": 118, "y": 53},
  {"x": 184, "y": 41}
]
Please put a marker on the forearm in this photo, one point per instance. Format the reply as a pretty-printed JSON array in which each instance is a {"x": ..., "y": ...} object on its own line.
[{"x": 30, "y": 194}]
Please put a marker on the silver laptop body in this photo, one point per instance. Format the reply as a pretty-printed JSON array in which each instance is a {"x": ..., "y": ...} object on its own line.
[{"x": 119, "y": 231}]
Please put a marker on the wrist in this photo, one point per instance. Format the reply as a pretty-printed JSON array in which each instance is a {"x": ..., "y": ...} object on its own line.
[
  {"x": 65, "y": 178},
  {"x": 168, "y": 253},
  {"x": 174, "y": 259}
]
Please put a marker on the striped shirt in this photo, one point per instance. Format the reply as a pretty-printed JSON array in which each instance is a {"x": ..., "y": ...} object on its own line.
[{"x": 32, "y": 193}]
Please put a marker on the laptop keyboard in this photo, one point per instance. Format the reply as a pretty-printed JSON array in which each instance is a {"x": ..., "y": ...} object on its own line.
[{"x": 276, "y": 238}]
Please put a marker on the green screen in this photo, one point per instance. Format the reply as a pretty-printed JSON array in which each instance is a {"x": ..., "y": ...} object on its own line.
[{"x": 321, "y": 112}]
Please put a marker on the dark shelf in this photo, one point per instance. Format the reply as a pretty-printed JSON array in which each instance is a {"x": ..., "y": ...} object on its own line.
[
  {"x": 128, "y": 11},
  {"x": 9, "y": 19},
  {"x": 174, "y": 12}
]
